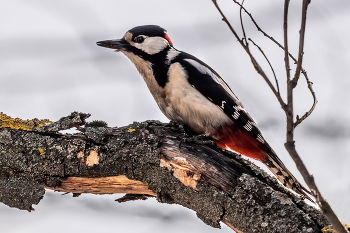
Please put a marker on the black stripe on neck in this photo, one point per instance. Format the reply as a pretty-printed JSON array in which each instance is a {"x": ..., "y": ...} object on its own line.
[{"x": 159, "y": 66}]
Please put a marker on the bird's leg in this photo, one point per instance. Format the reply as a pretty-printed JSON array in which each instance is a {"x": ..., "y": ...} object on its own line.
[
  {"x": 183, "y": 130},
  {"x": 202, "y": 139}
]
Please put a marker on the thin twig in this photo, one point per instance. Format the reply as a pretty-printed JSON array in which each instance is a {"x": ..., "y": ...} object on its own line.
[
  {"x": 262, "y": 31},
  {"x": 247, "y": 47},
  {"x": 268, "y": 61},
  {"x": 253, "y": 60},
  {"x": 242, "y": 26},
  {"x": 301, "y": 42},
  {"x": 308, "y": 113},
  {"x": 285, "y": 39},
  {"x": 228, "y": 23},
  {"x": 298, "y": 120}
]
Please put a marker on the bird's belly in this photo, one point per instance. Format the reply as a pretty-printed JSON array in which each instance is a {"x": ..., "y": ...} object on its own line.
[
  {"x": 185, "y": 104},
  {"x": 198, "y": 113}
]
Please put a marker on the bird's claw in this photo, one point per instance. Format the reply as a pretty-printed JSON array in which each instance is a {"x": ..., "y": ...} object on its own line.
[{"x": 201, "y": 139}]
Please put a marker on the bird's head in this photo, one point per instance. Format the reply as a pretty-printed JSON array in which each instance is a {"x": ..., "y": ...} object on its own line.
[{"x": 147, "y": 39}]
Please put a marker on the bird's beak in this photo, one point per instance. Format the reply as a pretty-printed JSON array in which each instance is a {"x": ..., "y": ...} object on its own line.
[{"x": 118, "y": 44}]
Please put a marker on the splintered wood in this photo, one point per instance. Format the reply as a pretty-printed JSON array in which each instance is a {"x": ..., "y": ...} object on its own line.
[
  {"x": 103, "y": 185},
  {"x": 182, "y": 170}
]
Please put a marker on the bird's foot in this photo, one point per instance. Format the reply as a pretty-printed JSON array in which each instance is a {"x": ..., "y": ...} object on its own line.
[{"x": 201, "y": 139}]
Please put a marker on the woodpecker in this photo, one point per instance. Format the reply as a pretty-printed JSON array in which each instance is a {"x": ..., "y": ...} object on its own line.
[{"x": 190, "y": 92}]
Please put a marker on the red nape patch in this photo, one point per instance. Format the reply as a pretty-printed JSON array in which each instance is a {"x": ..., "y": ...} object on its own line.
[
  {"x": 168, "y": 39},
  {"x": 242, "y": 142}
]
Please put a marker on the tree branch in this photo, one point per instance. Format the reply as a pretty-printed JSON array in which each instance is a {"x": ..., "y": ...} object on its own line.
[
  {"x": 310, "y": 181},
  {"x": 145, "y": 159}
]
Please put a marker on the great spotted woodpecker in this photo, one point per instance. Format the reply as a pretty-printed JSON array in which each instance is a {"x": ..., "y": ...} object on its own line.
[{"x": 190, "y": 92}]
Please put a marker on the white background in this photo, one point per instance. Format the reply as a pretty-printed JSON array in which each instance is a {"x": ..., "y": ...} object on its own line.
[{"x": 50, "y": 66}]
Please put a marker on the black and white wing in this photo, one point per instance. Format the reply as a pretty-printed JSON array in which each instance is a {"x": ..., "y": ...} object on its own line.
[{"x": 214, "y": 88}]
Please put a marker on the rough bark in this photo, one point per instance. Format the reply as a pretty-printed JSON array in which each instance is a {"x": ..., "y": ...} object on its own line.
[{"x": 144, "y": 160}]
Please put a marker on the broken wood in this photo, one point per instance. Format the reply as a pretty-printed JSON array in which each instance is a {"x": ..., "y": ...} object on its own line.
[{"x": 102, "y": 185}]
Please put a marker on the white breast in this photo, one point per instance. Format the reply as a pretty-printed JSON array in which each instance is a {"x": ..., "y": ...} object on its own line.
[{"x": 185, "y": 104}]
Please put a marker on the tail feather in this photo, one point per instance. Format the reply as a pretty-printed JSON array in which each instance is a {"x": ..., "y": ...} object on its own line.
[
  {"x": 242, "y": 142},
  {"x": 286, "y": 177}
]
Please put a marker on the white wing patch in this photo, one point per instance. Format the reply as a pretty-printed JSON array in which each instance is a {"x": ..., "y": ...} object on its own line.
[
  {"x": 222, "y": 104},
  {"x": 205, "y": 70},
  {"x": 260, "y": 139},
  {"x": 248, "y": 126},
  {"x": 202, "y": 69},
  {"x": 236, "y": 115}
]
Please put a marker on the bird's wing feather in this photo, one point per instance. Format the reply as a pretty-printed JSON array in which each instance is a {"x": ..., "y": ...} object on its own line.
[{"x": 215, "y": 89}]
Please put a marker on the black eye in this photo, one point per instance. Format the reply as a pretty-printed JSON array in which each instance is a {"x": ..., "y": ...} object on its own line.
[{"x": 139, "y": 39}]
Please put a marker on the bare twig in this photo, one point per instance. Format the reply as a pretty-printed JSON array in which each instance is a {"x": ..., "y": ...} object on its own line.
[
  {"x": 301, "y": 42},
  {"x": 242, "y": 26},
  {"x": 268, "y": 61},
  {"x": 228, "y": 23},
  {"x": 308, "y": 113},
  {"x": 285, "y": 39},
  {"x": 261, "y": 30},
  {"x": 298, "y": 120},
  {"x": 247, "y": 48},
  {"x": 253, "y": 60}
]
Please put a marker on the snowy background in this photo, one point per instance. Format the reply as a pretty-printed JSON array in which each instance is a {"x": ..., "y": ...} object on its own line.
[{"x": 50, "y": 66}]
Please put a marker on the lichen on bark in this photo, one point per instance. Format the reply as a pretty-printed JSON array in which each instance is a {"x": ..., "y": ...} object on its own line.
[{"x": 224, "y": 187}]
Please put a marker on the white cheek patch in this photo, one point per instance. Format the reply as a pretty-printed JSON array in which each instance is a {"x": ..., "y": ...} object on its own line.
[{"x": 152, "y": 45}]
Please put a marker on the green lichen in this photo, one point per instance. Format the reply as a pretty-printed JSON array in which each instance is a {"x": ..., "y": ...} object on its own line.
[
  {"x": 330, "y": 230},
  {"x": 17, "y": 123}
]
